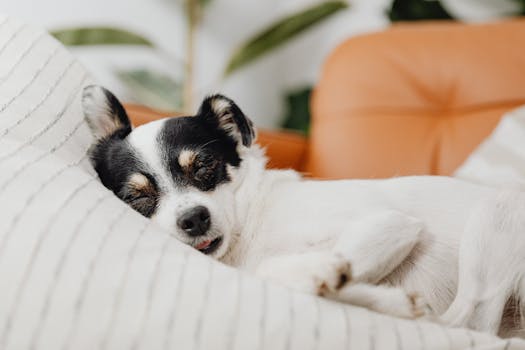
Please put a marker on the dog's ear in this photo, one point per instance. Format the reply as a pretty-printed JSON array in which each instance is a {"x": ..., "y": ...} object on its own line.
[
  {"x": 104, "y": 113},
  {"x": 223, "y": 113}
]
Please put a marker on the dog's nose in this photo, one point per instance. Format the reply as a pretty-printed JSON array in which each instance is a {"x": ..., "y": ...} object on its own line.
[{"x": 195, "y": 222}]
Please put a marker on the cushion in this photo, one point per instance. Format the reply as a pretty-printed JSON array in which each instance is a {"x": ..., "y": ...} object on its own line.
[
  {"x": 414, "y": 99},
  {"x": 500, "y": 159},
  {"x": 82, "y": 270}
]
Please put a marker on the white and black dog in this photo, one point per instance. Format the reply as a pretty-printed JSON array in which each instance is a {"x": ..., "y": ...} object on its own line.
[{"x": 383, "y": 244}]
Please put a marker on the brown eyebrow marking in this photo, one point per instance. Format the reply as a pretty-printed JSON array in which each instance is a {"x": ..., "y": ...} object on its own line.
[
  {"x": 139, "y": 183},
  {"x": 187, "y": 158}
]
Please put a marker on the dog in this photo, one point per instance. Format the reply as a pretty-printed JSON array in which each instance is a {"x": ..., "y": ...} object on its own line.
[{"x": 407, "y": 247}]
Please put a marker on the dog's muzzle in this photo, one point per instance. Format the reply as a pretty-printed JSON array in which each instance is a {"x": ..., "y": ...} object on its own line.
[{"x": 195, "y": 222}]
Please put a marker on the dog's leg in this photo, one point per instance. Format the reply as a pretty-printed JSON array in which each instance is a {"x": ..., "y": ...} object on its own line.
[
  {"x": 378, "y": 243},
  {"x": 375, "y": 245},
  {"x": 491, "y": 263},
  {"x": 312, "y": 273},
  {"x": 386, "y": 300},
  {"x": 328, "y": 274},
  {"x": 476, "y": 307}
]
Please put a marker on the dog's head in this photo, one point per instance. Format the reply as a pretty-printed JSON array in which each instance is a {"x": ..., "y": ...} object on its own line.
[{"x": 181, "y": 172}]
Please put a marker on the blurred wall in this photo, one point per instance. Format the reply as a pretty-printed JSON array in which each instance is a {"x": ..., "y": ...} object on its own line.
[{"x": 258, "y": 88}]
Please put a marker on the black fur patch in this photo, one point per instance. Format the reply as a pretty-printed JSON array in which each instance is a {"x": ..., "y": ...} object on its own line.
[
  {"x": 214, "y": 149},
  {"x": 118, "y": 111},
  {"x": 115, "y": 162},
  {"x": 231, "y": 118}
]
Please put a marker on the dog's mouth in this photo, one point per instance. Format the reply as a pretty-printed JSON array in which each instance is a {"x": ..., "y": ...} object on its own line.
[{"x": 209, "y": 246}]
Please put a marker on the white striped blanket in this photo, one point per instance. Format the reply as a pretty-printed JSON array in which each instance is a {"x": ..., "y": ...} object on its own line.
[{"x": 81, "y": 270}]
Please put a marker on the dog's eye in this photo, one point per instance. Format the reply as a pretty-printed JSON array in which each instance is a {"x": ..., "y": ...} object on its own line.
[
  {"x": 143, "y": 203},
  {"x": 205, "y": 172},
  {"x": 204, "y": 167},
  {"x": 201, "y": 172},
  {"x": 205, "y": 175},
  {"x": 141, "y": 194}
]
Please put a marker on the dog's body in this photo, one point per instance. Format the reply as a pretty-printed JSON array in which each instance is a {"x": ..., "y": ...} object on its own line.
[
  {"x": 301, "y": 216},
  {"x": 458, "y": 246}
]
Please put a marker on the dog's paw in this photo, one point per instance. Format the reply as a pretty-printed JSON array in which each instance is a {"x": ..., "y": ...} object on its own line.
[
  {"x": 419, "y": 307},
  {"x": 313, "y": 273},
  {"x": 410, "y": 305},
  {"x": 331, "y": 274}
]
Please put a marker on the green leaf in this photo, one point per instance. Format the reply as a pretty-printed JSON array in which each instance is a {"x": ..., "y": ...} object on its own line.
[
  {"x": 522, "y": 6},
  {"x": 99, "y": 36},
  {"x": 280, "y": 32},
  {"x": 415, "y": 10},
  {"x": 297, "y": 115},
  {"x": 153, "y": 89}
]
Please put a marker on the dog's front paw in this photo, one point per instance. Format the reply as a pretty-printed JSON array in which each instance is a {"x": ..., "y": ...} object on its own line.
[
  {"x": 314, "y": 273},
  {"x": 332, "y": 273},
  {"x": 409, "y": 305},
  {"x": 419, "y": 308}
]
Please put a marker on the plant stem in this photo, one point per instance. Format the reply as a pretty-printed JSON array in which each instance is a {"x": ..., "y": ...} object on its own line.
[{"x": 193, "y": 12}]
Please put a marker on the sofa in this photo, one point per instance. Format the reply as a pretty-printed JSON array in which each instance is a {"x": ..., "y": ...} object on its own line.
[{"x": 80, "y": 269}]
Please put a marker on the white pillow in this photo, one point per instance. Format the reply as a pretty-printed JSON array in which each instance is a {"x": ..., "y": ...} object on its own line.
[
  {"x": 500, "y": 159},
  {"x": 81, "y": 270}
]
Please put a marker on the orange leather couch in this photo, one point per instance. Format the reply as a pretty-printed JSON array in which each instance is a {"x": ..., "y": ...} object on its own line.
[{"x": 414, "y": 99}]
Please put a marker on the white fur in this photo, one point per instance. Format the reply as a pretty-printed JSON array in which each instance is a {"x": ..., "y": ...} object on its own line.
[
  {"x": 385, "y": 299},
  {"x": 142, "y": 139},
  {"x": 220, "y": 105},
  {"x": 312, "y": 272},
  {"x": 98, "y": 112},
  {"x": 492, "y": 265},
  {"x": 402, "y": 237}
]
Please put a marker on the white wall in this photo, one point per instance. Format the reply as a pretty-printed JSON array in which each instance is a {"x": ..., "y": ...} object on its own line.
[{"x": 258, "y": 88}]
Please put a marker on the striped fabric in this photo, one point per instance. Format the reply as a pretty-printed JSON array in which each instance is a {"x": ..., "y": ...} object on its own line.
[
  {"x": 500, "y": 159},
  {"x": 81, "y": 270}
]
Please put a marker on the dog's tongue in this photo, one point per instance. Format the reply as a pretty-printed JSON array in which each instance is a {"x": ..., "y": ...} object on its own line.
[{"x": 203, "y": 245}]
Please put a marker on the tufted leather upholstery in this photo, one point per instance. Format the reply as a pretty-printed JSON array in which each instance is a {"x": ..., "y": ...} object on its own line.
[{"x": 415, "y": 99}]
